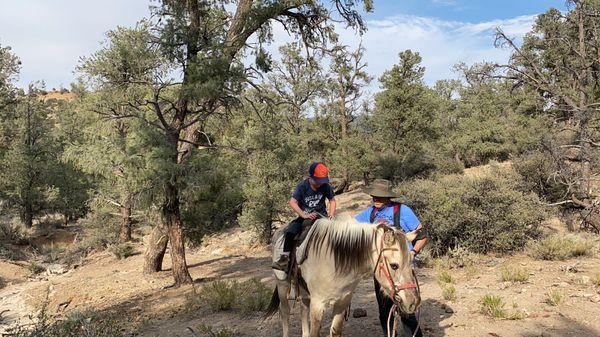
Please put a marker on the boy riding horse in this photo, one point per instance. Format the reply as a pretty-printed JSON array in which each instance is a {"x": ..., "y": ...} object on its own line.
[{"x": 308, "y": 202}]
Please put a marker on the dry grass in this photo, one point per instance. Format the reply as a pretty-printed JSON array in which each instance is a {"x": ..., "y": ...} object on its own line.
[
  {"x": 444, "y": 277},
  {"x": 596, "y": 279},
  {"x": 514, "y": 274},
  {"x": 554, "y": 297},
  {"x": 449, "y": 293},
  {"x": 561, "y": 247}
]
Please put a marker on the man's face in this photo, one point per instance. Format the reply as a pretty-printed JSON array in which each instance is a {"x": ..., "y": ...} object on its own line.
[{"x": 379, "y": 202}]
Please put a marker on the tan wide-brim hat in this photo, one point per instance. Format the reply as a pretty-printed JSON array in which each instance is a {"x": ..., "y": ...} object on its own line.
[{"x": 381, "y": 188}]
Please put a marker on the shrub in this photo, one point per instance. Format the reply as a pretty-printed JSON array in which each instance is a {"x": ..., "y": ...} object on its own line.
[
  {"x": 122, "y": 250},
  {"x": 218, "y": 295},
  {"x": 255, "y": 296},
  {"x": 444, "y": 277},
  {"x": 83, "y": 323},
  {"x": 449, "y": 293},
  {"x": 493, "y": 306},
  {"x": 12, "y": 232},
  {"x": 481, "y": 214},
  {"x": 514, "y": 274},
  {"x": 560, "y": 247},
  {"x": 596, "y": 280},
  {"x": 554, "y": 297},
  {"x": 460, "y": 257},
  {"x": 212, "y": 332},
  {"x": 35, "y": 268},
  {"x": 538, "y": 172},
  {"x": 2, "y": 283}
]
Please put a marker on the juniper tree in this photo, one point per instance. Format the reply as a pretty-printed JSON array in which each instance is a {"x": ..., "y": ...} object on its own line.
[{"x": 204, "y": 41}]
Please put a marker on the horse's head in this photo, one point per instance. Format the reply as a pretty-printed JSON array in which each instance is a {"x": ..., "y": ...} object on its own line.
[{"x": 394, "y": 270}]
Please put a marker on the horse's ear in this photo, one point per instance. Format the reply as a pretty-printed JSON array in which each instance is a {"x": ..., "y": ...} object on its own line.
[{"x": 389, "y": 238}]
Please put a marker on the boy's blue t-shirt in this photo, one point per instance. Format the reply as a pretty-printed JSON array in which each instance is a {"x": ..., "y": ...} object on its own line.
[
  {"x": 408, "y": 220},
  {"x": 313, "y": 201}
]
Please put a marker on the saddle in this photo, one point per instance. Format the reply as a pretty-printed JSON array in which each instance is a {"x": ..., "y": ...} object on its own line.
[{"x": 297, "y": 256}]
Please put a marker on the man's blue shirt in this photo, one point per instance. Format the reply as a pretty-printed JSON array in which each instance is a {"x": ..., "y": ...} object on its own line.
[{"x": 408, "y": 220}]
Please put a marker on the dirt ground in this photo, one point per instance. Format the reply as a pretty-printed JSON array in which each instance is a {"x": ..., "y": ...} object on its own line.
[{"x": 153, "y": 309}]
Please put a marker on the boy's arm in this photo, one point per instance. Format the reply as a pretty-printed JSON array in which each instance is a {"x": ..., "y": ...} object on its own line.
[
  {"x": 296, "y": 208},
  {"x": 331, "y": 210}
]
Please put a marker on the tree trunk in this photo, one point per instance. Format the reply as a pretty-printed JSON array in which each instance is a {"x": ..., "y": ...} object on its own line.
[
  {"x": 157, "y": 245},
  {"x": 172, "y": 221},
  {"x": 27, "y": 216},
  {"x": 125, "y": 233}
]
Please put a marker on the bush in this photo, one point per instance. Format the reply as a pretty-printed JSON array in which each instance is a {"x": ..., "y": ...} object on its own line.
[
  {"x": 218, "y": 295},
  {"x": 481, "y": 214},
  {"x": 85, "y": 323},
  {"x": 255, "y": 296},
  {"x": 444, "y": 277},
  {"x": 2, "y": 283},
  {"x": 493, "y": 306},
  {"x": 35, "y": 268},
  {"x": 212, "y": 332},
  {"x": 12, "y": 232},
  {"x": 514, "y": 274},
  {"x": 560, "y": 247},
  {"x": 538, "y": 172},
  {"x": 122, "y": 250}
]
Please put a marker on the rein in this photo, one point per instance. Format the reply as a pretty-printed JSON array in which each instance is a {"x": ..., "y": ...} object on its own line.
[{"x": 383, "y": 267}]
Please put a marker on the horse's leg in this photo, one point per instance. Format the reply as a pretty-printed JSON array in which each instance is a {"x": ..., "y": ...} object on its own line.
[
  {"x": 339, "y": 309},
  {"x": 284, "y": 307},
  {"x": 317, "y": 308},
  {"x": 305, "y": 312}
]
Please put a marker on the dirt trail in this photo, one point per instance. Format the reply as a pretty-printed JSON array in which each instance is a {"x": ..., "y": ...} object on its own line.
[{"x": 152, "y": 309}]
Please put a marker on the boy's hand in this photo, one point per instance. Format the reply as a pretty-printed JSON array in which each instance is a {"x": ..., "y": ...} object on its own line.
[{"x": 311, "y": 216}]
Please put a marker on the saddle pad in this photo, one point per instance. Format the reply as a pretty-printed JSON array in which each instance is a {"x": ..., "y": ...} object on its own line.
[
  {"x": 278, "y": 239},
  {"x": 301, "y": 250}
]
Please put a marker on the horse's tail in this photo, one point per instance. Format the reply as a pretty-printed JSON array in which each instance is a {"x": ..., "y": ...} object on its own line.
[{"x": 274, "y": 305}]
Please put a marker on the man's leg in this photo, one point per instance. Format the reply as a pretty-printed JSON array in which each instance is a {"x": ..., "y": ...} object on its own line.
[
  {"x": 385, "y": 305},
  {"x": 411, "y": 322}
]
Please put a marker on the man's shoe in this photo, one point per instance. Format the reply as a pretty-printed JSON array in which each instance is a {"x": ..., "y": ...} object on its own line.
[{"x": 282, "y": 263}]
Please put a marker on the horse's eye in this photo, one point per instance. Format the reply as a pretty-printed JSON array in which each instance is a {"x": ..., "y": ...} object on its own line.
[{"x": 394, "y": 266}]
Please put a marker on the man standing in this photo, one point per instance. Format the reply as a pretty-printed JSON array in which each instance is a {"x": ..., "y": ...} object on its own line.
[
  {"x": 308, "y": 202},
  {"x": 384, "y": 210}
]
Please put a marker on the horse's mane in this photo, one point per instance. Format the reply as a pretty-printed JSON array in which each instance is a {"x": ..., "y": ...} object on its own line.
[{"x": 346, "y": 239}]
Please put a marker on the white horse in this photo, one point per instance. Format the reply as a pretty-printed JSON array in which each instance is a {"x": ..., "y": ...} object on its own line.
[{"x": 337, "y": 254}]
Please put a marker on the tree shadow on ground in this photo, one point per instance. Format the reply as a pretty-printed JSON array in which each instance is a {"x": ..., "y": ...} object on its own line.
[
  {"x": 433, "y": 313},
  {"x": 566, "y": 327}
]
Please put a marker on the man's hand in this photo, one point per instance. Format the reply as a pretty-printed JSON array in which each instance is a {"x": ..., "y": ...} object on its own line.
[{"x": 311, "y": 216}]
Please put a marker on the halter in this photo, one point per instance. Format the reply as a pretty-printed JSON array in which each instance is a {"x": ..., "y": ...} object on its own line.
[{"x": 384, "y": 268}]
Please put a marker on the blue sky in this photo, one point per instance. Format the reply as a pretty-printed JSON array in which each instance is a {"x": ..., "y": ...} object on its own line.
[{"x": 51, "y": 36}]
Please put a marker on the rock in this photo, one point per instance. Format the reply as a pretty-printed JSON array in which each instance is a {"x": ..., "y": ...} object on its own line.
[
  {"x": 449, "y": 310},
  {"x": 56, "y": 269},
  {"x": 359, "y": 312},
  {"x": 595, "y": 298}
]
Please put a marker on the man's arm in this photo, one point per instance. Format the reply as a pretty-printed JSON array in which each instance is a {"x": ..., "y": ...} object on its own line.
[
  {"x": 420, "y": 243},
  {"x": 294, "y": 204},
  {"x": 331, "y": 210}
]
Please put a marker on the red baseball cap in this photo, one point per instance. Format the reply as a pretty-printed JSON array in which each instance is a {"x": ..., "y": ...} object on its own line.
[{"x": 319, "y": 173}]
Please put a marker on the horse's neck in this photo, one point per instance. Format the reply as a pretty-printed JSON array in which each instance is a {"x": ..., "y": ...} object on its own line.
[{"x": 375, "y": 249}]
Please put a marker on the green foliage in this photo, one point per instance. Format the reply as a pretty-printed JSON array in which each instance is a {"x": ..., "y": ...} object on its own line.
[
  {"x": 255, "y": 296},
  {"x": 79, "y": 323},
  {"x": 122, "y": 250},
  {"x": 539, "y": 173},
  {"x": 493, "y": 306},
  {"x": 218, "y": 295},
  {"x": 481, "y": 214},
  {"x": 560, "y": 247}
]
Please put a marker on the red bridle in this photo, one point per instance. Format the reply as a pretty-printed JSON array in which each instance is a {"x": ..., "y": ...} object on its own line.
[{"x": 384, "y": 268}]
